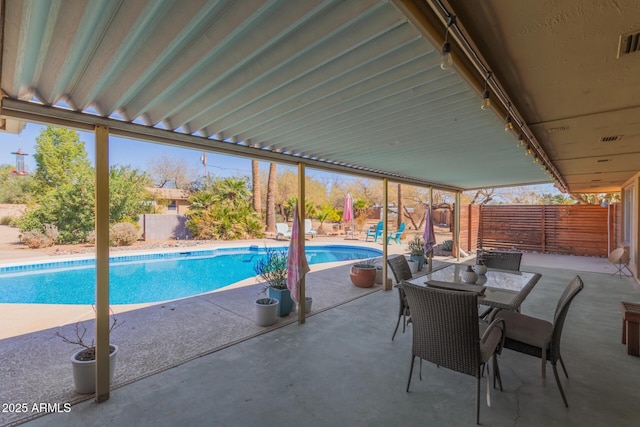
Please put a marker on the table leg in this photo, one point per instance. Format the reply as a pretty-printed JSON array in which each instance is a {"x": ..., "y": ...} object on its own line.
[{"x": 633, "y": 338}]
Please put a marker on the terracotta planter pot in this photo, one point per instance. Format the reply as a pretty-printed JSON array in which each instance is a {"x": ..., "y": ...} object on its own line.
[{"x": 363, "y": 276}]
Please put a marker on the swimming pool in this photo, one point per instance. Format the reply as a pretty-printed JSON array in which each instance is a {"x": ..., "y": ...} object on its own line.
[{"x": 150, "y": 278}]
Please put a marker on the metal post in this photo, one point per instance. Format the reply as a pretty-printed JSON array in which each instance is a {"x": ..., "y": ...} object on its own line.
[
  {"x": 102, "y": 262},
  {"x": 385, "y": 230},
  {"x": 301, "y": 214},
  {"x": 457, "y": 225}
]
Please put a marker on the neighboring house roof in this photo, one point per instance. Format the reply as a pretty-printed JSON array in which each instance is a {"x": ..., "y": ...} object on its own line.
[{"x": 169, "y": 193}]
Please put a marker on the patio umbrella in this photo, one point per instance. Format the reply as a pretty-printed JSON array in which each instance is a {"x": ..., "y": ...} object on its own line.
[
  {"x": 347, "y": 214},
  {"x": 297, "y": 265},
  {"x": 429, "y": 236}
]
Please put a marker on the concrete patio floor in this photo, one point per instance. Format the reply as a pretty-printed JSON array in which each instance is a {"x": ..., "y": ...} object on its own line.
[{"x": 341, "y": 368}]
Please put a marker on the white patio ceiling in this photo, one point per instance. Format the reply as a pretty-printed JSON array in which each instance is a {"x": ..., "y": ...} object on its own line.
[{"x": 343, "y": 85}]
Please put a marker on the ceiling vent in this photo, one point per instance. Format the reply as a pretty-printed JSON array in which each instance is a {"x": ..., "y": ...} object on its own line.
[
  {"x": 611, "y": 138},
  {"x": 559, "y": 129},
  {"x": 629, "y": 43}
]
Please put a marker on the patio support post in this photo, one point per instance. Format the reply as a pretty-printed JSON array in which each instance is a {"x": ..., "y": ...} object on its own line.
[
  {"x": 431, "y": 212},
  {"x": 102, "y": 262},
  {"x": 457, "y": 225},
  {"x": 301, "y": 215},
  {"x": 385, "y": 231}
]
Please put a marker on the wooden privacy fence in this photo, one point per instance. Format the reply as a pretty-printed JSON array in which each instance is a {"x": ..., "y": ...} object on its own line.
[{"x": 561, "y": 229}]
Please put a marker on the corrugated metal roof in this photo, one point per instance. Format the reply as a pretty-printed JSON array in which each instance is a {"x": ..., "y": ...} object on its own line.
[{"x": 340, "y": 82}]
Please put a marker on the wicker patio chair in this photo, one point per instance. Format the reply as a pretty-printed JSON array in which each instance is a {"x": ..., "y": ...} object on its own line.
[
  {"x": 539, "y": 338},
  {"x": 446, "y": 331},
  {"x": 401, "y": 271},
  {"x": 499, "y": 259}
]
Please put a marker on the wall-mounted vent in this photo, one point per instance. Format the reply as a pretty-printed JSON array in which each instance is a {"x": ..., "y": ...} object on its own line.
[
  {"x": 611, "y": 138},
  {"x": 629, "y": 43},
  {"x": 559, "y": 129},
  {"x": 602, "y": 160}
]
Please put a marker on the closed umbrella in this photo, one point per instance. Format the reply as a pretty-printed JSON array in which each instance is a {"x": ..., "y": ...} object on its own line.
[
  {"x": 297, "y": 265},
  {"x": 347, "y": 214},
  {"x": 429, "y": 236}
]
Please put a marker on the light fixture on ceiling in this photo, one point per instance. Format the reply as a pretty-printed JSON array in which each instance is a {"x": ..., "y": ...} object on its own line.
[
  {"x": 447, "y": 59},
  {"x": 486, "y": 98},
  {"x": 536, "y": 159},
  {"x": 508, "y": 125},
  {"x": 528, "y": 151},
  {"x": 521, "y": 142}
]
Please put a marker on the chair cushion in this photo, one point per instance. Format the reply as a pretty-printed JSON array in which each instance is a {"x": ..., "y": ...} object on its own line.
[
  {"x": 489, "y": 346},
  {"x": 526, "y": 329}
]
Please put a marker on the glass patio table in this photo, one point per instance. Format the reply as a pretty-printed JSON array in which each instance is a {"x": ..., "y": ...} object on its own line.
[{"x": 499, "y": 288}]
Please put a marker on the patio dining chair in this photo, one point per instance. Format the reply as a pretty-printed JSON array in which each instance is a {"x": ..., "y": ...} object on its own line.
[
  {"x": 446, "y": 332},
  {"x": 538, "y": 337},
  {"x": 401, "y": 271},
  {"x": 377, "y": 232},
  {"x": 499, "y": 259}
]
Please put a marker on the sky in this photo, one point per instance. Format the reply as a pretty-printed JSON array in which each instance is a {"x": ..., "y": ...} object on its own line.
[{"x": 138, "y": 155}]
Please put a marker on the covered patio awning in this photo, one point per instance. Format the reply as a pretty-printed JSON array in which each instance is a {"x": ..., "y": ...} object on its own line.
[{"x": 347, "y": 86}]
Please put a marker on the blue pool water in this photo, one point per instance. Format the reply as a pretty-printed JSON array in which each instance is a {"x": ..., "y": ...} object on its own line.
[{"x": 149, "y": 278}]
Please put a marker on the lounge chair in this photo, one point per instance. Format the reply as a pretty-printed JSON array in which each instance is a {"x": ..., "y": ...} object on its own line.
[
  {"x": 396, "y": 235},
  {"x": 282, "y": 229},
  {"x": 308, "y": 228},
  {"x": 375, "y": 233}
]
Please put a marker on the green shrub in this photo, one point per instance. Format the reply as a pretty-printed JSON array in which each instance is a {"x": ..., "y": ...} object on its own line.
[
  {"x": 447, "y": 245},
  {"x": 272, "y": 268},
  {"x": 123, "y": 234}
]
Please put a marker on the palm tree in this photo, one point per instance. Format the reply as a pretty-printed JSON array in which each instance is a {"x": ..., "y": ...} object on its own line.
[
  {"x": 255, "y": 181},
  {"x": 271, "y": 199}
]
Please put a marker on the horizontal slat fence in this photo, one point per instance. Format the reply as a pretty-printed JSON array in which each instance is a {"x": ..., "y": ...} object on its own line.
[{"x": 560, "y": 229}]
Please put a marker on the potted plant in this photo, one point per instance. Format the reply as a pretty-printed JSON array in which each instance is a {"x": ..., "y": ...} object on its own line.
[
  {"x": 272, "y": 268},
  {"x": 83, "y": 361},
  {"x": 266, "y": 311},
  {"x": 363, "y": 274},
  {"x": 416, "y": 248}
]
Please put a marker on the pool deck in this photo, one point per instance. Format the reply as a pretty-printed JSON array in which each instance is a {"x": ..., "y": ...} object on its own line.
[{"x": 18, "y": 319}]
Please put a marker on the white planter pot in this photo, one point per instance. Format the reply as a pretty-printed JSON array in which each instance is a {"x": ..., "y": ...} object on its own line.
[
  {"x": 84, "y": 372},
  {"x": 307, "y": 304},
  {"x": 266, "y": 311},
  {"x": 413, "y": 266}
]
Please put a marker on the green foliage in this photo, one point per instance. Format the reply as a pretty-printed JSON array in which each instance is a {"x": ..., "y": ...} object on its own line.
[
  {"x": 65, "y": 189},
  {"x": 416, "y": 246},
  {"x": 290, "y": 204},
  {"x": 272, "y": 268},
  {"x": 59, "y": 156},
  {"x": 328, "y": 213},
  {"x": 447, "y": 245},
  {"x": 223, "y": 209},
  {"x": 15, "y": 189},
  {"x": 127, "y": 191}
]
